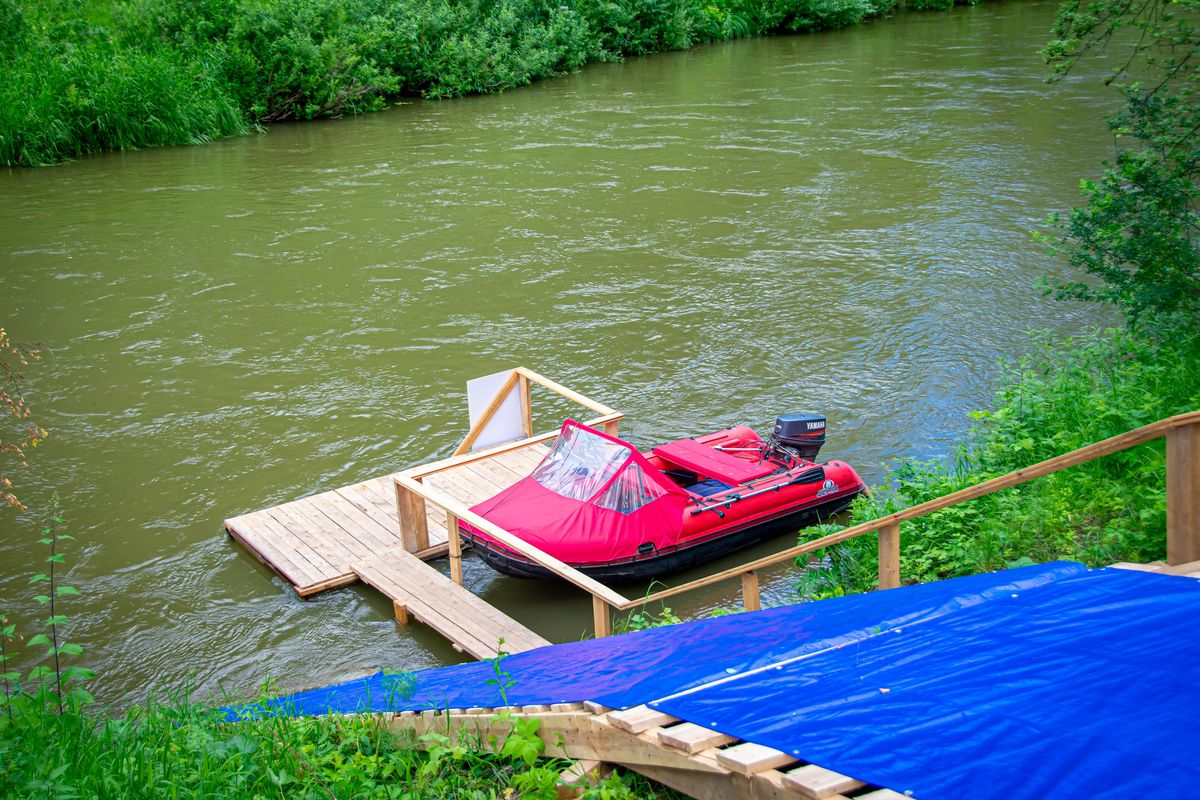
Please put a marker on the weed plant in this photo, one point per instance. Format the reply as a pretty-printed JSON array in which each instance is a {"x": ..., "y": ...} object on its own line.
[
  {"x": 55, "y": 742},
  {"x": 80, "y": 76},
  {"x": 1060, "y": 397}
]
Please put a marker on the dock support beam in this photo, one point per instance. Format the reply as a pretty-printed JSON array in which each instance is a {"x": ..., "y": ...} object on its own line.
[
  {"x": 751, "y": 601},
  {"x": 889, "y": 556},
  {"x": 1183, "y": 494},
  {"x": 602, "y": 617},
  {"x": 414, "y": 526},
  {"x": 455, "y": 547}
]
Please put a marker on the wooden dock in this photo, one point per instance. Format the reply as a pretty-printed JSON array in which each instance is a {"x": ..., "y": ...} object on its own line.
[
  {"x": 383, "y": 530},
  {"x": 340, "y": 537}
]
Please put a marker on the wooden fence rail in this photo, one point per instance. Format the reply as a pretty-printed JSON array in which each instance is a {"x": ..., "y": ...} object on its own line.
[
  {"x": 1182, "y": 433},
  {"x": 1183, "y": 508}
]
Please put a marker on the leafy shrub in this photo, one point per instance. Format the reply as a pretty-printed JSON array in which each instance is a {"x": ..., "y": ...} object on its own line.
[
  {"x": 1059, "y": 398},
  {"x": 78, "y": 77}
]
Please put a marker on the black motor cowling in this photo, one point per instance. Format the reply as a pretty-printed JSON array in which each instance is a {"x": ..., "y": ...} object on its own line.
[{"x": 803, "y": 432}]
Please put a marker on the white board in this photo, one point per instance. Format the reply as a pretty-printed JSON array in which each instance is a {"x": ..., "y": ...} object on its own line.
[{"x": 506, "y": 424}]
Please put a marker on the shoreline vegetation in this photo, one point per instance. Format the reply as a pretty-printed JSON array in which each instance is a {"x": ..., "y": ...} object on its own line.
[
  {"x": 1136, "y": 241},
  {"x": 87, "y": 76}
]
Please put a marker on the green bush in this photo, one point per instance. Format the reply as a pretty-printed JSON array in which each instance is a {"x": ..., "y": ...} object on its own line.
[
  {"x": 1064, "y": 395},
  {"x": 79, "y": 77}
]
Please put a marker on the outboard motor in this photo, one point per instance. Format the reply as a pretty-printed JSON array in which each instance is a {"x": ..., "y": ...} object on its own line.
[{"x": 803, "y": 433}]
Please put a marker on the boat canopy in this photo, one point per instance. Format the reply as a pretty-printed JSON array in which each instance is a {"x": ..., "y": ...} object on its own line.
[{"x": 592, "y": 498}]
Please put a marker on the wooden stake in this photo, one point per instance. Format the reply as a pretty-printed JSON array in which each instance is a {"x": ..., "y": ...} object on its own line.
[
  {"x": 750, "y": 597},
  {"x": 601, "y": 617},
  {"x": 1183, "y": 494},
  {"x": 455, "y": 548},
  {"x": 889, "y": 556},
  {"x": 401, "y": 611}
]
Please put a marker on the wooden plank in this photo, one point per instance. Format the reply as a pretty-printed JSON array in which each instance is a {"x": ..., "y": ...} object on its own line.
[
  {"x": 347, "y": 516},
  {"x": 264, "y": 547},
  {"x": 410, "y": 510},
  {"x": 308, "y": 534},
  {"x": 748, "y": 758},
  {"x": 1183, "y": 494},
  {"x": 331, "y": 534},
  {"x": 388, "y": 526},
  {"x": 639, "y": 719},
  {"x": 889, "y": 556},
  {"x": 819, "y": 783},
  {"x": 299, "y": 551},
  {"x": 463, "y": 486},
  {"x": 692, "y": 738}
]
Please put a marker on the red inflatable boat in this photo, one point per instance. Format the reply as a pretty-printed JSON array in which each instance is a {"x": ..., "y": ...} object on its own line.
[{"x": 611, "y": 512}]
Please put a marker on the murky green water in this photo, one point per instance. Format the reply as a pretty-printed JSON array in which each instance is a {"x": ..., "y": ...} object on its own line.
[{"x": 837, "y": 222}]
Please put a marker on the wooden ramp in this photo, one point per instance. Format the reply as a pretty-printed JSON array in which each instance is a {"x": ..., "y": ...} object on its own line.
[
  {"x": 420, "y": 591},
  {"x": 339, "y": 537},
  {"x": 698, "y": 761}
]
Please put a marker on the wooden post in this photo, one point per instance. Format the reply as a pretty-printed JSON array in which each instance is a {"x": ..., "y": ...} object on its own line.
[
  {"x": 414, "y": 527},
  {"x": 612, "y": 428},
  {"x": 750, "y": 597},
  {"x": 526, "y": 406},
  {"x": 401, "y": 612},
  {"x": 889, "y": 556},
  {"x": 1183, "y": 494},
  {"x": 601, "y": 617},
  {"x": 455, "y": 548}
]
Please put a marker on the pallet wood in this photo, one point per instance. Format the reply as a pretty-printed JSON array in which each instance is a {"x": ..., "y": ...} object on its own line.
[
  {"x": 819, "y": 783},
  {"x": 748, "y": 758},
  {"x": 640, "y": 718},
  {"x": 692, "y": 738}
]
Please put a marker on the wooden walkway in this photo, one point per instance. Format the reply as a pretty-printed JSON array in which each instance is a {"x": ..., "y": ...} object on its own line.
[
  {"x": 420, "y": 591},
  {"x": 339, "y": 537}
]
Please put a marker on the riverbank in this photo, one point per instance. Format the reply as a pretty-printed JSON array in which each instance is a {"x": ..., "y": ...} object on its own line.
[
  {"x": 1064, "y": 394},
  {"x": 129, "y": 74}
]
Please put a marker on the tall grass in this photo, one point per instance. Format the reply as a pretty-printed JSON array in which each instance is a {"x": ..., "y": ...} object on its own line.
[
  {"x": 1064, "y": 395},
  {"x": 81, "y": 76}
]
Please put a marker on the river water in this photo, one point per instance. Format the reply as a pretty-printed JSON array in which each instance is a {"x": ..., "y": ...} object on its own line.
[{"x": 836, "y": 222}]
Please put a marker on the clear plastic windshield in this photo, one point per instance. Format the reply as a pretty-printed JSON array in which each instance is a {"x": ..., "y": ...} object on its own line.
[
  {"x": 579, "y": 464},
  {"x": 630, "y": 491}
]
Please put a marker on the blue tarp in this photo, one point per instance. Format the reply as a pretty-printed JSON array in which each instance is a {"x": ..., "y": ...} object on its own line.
[{"x": 1052, "y": 679}]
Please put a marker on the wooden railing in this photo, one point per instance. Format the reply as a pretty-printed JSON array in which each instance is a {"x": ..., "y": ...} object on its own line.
[
  {"x": 1183, "y": 509},
  {"x": 1182, "y": 433},
  {"x": 413, "y": 496}
]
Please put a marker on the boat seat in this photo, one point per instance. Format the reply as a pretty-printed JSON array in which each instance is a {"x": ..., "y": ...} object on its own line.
[{"x": 704, "y": 460}]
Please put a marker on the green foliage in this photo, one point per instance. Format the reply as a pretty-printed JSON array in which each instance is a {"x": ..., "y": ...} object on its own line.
[
  {"x": 1138, "y": 233},
  {"x": 1060, "y": 397},
  {"x": 18, "y": 432},
  {"x": 79, "y": 77}
]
